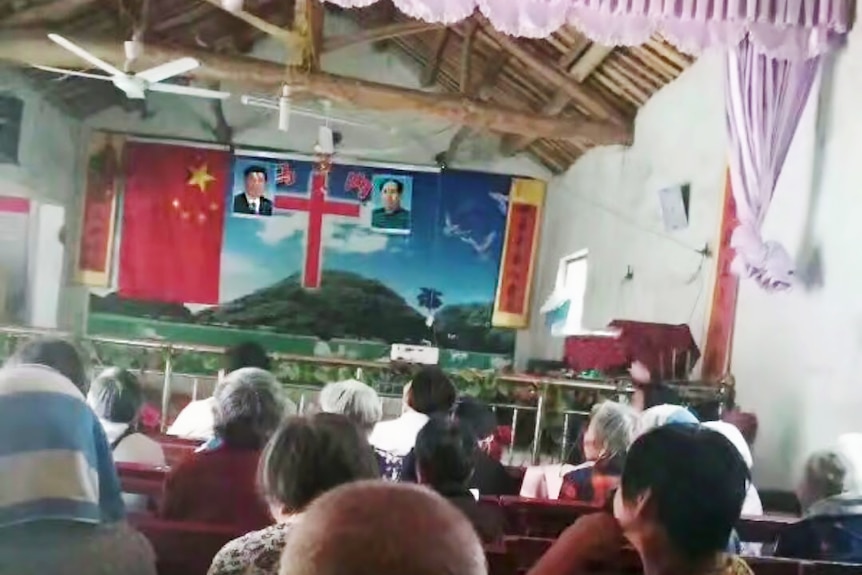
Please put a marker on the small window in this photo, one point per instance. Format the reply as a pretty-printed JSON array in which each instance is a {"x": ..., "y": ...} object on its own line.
[{"x": 572, "y": 285}]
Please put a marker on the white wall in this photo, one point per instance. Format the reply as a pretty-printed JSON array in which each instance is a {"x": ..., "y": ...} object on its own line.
[
  {"x": 796, "y": 356},
  {"x": 48, "y": 173},
  {"x": 608, "y": 204}
]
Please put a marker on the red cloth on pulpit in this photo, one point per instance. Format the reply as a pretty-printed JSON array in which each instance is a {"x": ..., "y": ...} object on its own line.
[{"x": 656, "y": 345}]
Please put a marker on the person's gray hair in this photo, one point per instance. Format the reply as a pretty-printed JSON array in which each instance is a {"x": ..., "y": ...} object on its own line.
[
  {"x": 249, "y": 406},
  {"x": 614, "y": 426},
  {"x": 827, "y": 473},
  {"x": 354, "y": 400}
]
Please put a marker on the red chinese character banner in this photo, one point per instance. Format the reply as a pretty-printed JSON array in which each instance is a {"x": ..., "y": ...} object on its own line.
[
  {"x": 103, "y": 179},
  {"x": 512, "y": 305}
]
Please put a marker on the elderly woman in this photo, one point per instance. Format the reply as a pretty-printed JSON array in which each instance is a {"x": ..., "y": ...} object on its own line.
[
  {"x": 606, "y": 440},
  {"x": 116, "y": 397},
  {"x": 57, "y": 354},
  {"x": 60, "y": 506},
  {"x": 361, "y": 405},
  {"x": 680, "y": 495},
  {"x": 218, "y": 485},
  {"x": 831, "y": 500},
  {"x": 609, "y": 432},
  {"x": 305, "y": 458}
]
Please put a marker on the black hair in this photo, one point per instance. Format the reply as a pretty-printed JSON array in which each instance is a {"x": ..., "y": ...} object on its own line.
[
  {"x": 116, "y": 395},
  {"x": 255, "y": 170},
  {"x": 659, "y": 393},
  {"x": 476, "y": 415},
  {"x": 399, "y": 185},
  {"x": 697, "y": 482},
  {"x": 445, "y": 454},
  {"x": 308, "y": 456},
  {"x": 58, "y": 354},
  {"x": 431, "y": 391},
  {"x": 245, "y": 354}
]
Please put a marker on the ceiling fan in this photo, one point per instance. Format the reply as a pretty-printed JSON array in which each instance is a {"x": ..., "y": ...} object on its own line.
[{"x": 135, "y": 86}]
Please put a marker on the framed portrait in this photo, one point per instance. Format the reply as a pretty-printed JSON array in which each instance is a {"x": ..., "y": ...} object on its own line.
[
  {"x": 392, "y": 200},
  {"x": 253, "y": 185}
]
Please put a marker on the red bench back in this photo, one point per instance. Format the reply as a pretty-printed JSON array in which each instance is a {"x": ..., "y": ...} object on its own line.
[
  {"x": 176, "y": 448},
  {"x": 184, "y": 548}
]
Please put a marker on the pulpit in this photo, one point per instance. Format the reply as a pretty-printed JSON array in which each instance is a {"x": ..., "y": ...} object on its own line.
[{"x": 669, "y": 351}]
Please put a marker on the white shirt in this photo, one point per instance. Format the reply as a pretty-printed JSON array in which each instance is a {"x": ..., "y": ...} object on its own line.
[
  {"x": 195, "y": 421},
  {"x": 134, "y": 448},
  {"x": 398, "y": 436},
  {"x": 253, "y": 204}
]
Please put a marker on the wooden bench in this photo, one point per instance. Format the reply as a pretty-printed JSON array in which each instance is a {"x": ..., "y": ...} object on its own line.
[
  {"x": 176, "y": 448},
  {"x": 547, "y": 519},
  {"x": 183, "y": 548}
]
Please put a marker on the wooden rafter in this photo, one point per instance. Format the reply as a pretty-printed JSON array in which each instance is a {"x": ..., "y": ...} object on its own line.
[
  {"x": 292, "y": 40},
  {"x": 33, "y": 47},
  {"x": 309, "y": 15},
  {"x": 589, "y": 100},
  {"x": 377, "y": 34},
  {"x": 432, "y": 67},
  {"x": 466, "y": 53},
  {"x": 54, "y": 11},
  {"x": 579, "y": 71}
]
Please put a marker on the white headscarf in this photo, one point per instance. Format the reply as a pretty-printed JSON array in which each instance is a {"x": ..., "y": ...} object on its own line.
[{"x": 752, "y": 504}]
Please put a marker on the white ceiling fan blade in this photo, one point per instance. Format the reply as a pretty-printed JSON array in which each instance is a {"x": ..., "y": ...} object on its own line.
[
  {"x": 75, "y": 73},
  {"x": 83, "y": 54},
  {"x": 167, "y": 70},
  {"x": 189, "y": 91}
]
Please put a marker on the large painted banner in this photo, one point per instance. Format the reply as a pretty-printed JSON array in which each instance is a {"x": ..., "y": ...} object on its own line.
[{"x": 308, "y": 258}]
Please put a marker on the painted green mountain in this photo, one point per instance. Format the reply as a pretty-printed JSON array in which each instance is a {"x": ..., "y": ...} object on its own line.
[
  {"x": 346, "y": 306},
  {"x": 467, "y": 327}
]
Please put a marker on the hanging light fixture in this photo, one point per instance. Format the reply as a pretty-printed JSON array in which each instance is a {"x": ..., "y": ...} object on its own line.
[
  {"x": 232, "y": 5},
  {"x": 284, "y": 109}
]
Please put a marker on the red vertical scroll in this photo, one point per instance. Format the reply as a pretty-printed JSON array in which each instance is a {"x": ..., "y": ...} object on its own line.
[
  {"x": 518, "y": 262},
  {"x": 719, "y": 335},
  {"x": 95, "y": 250}
]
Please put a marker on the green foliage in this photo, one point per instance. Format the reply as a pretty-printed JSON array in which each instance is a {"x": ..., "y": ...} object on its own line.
[{"x": 468, "y": 327}]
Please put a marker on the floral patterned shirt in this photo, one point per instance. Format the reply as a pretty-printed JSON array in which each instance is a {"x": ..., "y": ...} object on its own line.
[{"x": 255, "y": 553}]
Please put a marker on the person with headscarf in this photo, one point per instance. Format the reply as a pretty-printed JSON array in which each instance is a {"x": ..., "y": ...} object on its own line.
[
  {"x": 663, "y": 414},
  {"x": 60, "y": 506},
  {"x": 831, "y": 500}
]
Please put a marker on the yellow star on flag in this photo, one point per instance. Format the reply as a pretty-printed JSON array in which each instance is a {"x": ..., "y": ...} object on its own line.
[{"x": 200, "y": 177}]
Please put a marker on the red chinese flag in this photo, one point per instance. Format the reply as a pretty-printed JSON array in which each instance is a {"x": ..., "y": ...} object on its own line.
[{"x": 173, "y": 222}]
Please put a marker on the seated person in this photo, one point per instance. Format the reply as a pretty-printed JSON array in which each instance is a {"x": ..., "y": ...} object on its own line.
[
  {"x": 60, "y": 506},
  {"x": 372, "y": 527},
  {"x": 361, "y": 404},
  {"x": 490, "y": 476},
  {"x": 305, "y": 458},
  {"x": 445, "y": 460},
  {"x": 606, "y": 440},
  {"x": 832, "y": 506},
  {"x": 680, "y": 495},
  {"x": 195, "y": 421},
  {"x": 660, "y": 415},
  {"x": 219, "y": 485},
  {"x": 58, "y": 354},
  {"x": 116, "y": 397},
  {"x": 430, "y": 392}
]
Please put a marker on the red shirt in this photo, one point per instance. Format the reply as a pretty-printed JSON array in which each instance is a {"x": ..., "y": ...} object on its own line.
[{"x": 217, "y": 486}]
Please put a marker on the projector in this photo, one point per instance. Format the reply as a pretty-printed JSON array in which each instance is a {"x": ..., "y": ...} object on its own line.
[{"x": 414, "y": 354}]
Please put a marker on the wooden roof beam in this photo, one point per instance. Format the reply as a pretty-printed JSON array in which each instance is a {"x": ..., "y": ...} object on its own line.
[
  {"x": 377, "y": 34},
  {"x": 290, "y": 39},
  {"x": 580, "y": 71},
  {"x": 33, "y": 47},
  {"x": 592, "y": 102},
  {"x": 46, "y": 13},
  {"x": 432, "y": 67}
]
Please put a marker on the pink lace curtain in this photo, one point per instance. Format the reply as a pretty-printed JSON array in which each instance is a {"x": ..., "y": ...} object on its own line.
[
  {"x": 765, "y": 98},
  {"x": 784, "y": 28}
]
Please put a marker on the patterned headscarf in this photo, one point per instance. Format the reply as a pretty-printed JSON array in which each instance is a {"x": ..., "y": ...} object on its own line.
[
  {"x": 55, "y": 461},
  {"x": 663, "y": 415}
]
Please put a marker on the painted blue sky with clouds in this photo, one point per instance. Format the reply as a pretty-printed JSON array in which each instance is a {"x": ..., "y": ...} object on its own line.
[{"x": 458, "y": 223}]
